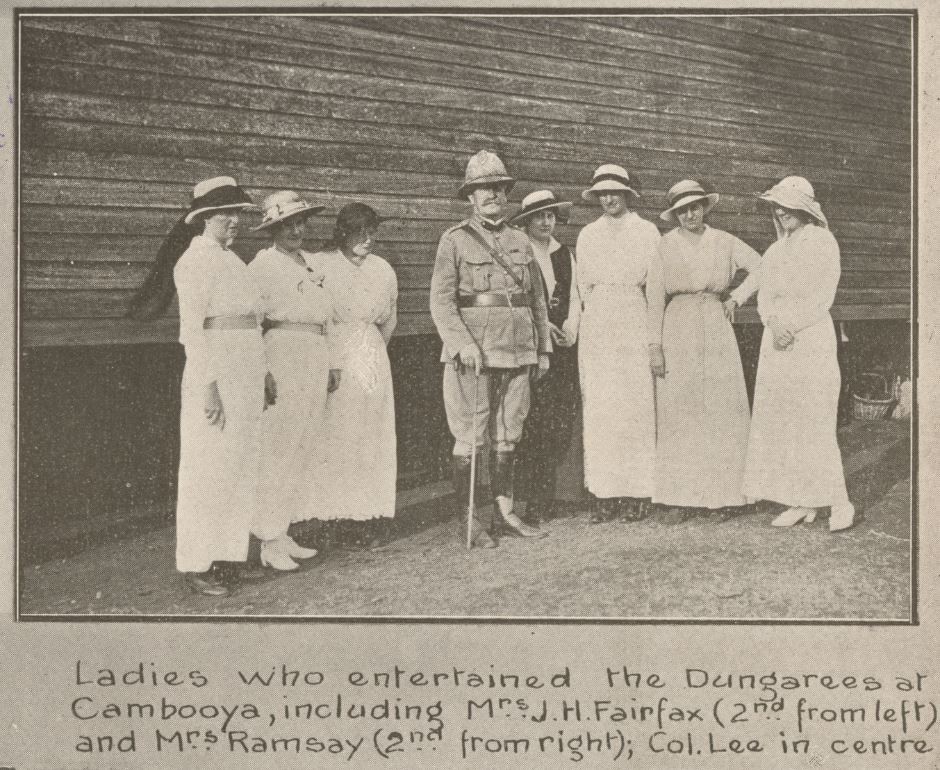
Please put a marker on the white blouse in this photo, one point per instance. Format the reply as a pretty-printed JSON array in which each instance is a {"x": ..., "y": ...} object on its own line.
[
  {"x": 210, "y": 281},
  {"x": 799, "y": 275},
  {"x": 363, "y": 295},
  {"x": 289, "y": 291},
  {"x": 616, "y": 252},
  {"x": 707, "y": 266},
  {"x": 293, "y": 292}
]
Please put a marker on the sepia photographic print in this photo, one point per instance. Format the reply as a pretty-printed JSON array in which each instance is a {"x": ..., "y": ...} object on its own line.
[{"x": 519, "y": 315}]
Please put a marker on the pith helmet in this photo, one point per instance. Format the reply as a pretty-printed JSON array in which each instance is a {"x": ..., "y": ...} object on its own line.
[{"x": 484, "y": 168}]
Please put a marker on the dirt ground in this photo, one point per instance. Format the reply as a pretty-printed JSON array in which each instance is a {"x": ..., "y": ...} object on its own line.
[{"x": 741, "y": 568}]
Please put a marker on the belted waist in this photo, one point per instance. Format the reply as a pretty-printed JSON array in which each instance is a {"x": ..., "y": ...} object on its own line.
[
  {"x": 699, "y": 294},
  {"x": 231, "y": 322},
  {"x": 492, "y": 299},
  {"x": 302, "y": 326}
]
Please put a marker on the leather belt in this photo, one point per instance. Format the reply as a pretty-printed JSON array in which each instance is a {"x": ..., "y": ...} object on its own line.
[
  {"x": 231, "y": 322},
  {"x": 301, "y": 326},
  {"x": 700, "y": 294},
  {"x": 492, "y": 299}
]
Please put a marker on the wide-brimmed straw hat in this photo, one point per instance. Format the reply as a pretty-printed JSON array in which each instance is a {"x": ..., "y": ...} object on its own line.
[
  {"x": 217, "y": 194},
  {"x": 282, "y": 205},
  {"x": 682, "y": 194},
  {"x": 485, "y": 168},
  {"x": 796, "y": 193},
  {"x": 540, "y": 200},
  {"x": 610, "y": 178}
]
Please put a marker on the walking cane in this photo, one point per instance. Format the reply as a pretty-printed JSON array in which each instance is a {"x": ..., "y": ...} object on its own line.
[{"x": 471, "y": 506}]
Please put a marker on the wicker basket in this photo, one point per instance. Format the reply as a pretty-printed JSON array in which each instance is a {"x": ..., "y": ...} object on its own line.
[{"x": 872, "y": 408}]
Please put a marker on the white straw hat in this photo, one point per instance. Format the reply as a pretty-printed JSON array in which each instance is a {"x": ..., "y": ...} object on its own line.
[
  {"x": 796, "y": 193},
  {"x": 282, "y": 205},
  {"x": 540, "y": 200},
  {"x": 610, "y": 178},
  {"x": 682, "y": 194}
]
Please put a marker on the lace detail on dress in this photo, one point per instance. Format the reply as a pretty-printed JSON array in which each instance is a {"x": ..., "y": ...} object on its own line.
[{"x": 362, "y": 359}]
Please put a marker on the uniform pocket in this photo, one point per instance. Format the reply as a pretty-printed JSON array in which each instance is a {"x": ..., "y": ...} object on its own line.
[
  {"x": 476, "y": 273},
  {"x": 519, "y": 261}
]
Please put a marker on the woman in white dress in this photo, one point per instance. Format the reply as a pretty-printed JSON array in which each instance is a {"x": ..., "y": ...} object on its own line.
[
  {"x": 793, "y": 454},
  {"x": 360, "y": 467},
  {"x": 298, "y": 319},
  {"x": 702, "y": 412},
  {"x": 223, "y": 383},
  {"x": 614, "y": 254}
]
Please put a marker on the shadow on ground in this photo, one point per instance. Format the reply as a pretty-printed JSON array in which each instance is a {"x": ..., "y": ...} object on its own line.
[{"x": 740, "y": 568}]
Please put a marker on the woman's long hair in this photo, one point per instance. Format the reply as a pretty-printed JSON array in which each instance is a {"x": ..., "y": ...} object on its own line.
[
  {"x": 157, "y": 291},
  {"x": 353, "y": 218}
]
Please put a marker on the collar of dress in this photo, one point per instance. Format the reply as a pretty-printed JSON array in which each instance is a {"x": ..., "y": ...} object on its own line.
[{"x": 544, "y": 251}]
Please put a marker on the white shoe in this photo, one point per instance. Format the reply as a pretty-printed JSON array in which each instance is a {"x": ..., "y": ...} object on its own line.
[
  {"x": 274, "y": 555},
  {"x": 297, "y": 551},
  {"x": 842, "y": 517},
  {"x": 793, "y": 516}
]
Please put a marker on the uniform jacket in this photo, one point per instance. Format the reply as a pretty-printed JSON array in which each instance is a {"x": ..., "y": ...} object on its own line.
[{"x": 507, "y": 336}]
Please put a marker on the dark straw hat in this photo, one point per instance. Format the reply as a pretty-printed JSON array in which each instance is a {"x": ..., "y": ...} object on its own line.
[{"x": 217, "y": 194}]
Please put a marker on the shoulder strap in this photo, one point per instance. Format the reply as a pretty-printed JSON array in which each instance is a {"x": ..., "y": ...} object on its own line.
[{"x": 497, "y": 255}]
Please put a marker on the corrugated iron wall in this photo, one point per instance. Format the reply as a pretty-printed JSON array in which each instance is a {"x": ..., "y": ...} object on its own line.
[{"x": 120, "y": 115}]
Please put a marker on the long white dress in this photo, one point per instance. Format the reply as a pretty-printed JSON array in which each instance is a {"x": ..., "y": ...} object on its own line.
[
  {"x": 299, "y": 360},
  {"x": 360, "y": 467},
  {"x": 218, "y": 471},
  {"x": 613, "y": 356},
  {"x": 702, "y": 412},
  {"x": 793, "y": 454}
]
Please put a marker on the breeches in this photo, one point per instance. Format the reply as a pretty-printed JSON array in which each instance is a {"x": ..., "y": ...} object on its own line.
[{"x": 501, "y": 407}]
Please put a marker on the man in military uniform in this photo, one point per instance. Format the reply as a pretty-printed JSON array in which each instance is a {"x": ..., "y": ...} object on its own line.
[{"x": 488, "y": 304}]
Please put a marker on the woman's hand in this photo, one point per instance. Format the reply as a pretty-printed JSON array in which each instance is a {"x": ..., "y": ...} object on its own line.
[
  {"x": 544, "y": 363},
  {"x": 558, "y": 336},
  {"x": 730, "y": 305},
  {"x": 539, "y": 370},
  {"x": 270, "y": 390},
  {"x": 783, "y": 340},
  {"x": 333, "y": 380},
  {"x": 783, "y": 337},
  {"x": 212, "y": 403},
  {"x": 657, "y": 360}
]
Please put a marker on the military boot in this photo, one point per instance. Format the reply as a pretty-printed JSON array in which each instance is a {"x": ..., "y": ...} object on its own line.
[
  {"x": 479, "y": 536},
  {"x": 502, "y": 477}
]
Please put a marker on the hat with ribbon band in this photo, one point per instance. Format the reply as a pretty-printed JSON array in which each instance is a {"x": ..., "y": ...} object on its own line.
[
  {"x": 220, "y": 193},
  {"x": 282, "y": 205},
  {"x": 684, "y": 193},
  {"x": 610, "y": 178},
  {"x": 540, "y": 200}
]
